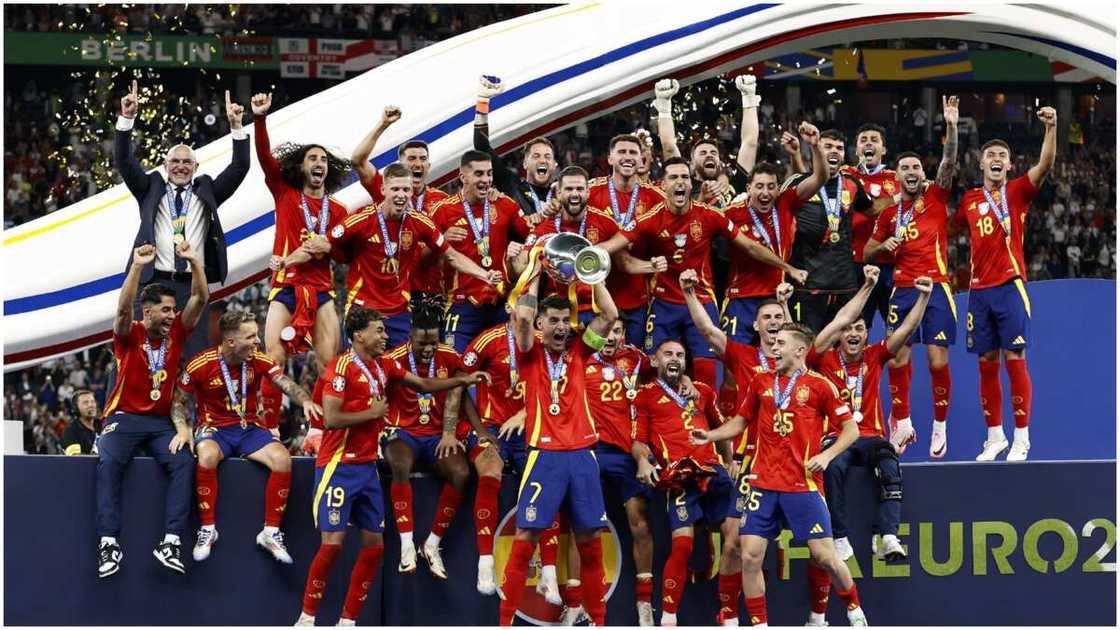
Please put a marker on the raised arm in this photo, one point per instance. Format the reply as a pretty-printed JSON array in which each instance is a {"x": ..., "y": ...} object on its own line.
[
  {"x": 792, "y": 148},
  {"x": 360, "y": 156},
  {"x": 948, "y": 167},
  {"x": 663, "y": 92},
  {"x": 226, "y": 183},
  {"x": 141, "y": 257},
  {"x": 608, "y": 312},
  {"x": 525, "y": 312},
  {"x": 715, "y": 337},
  {"x": 200, "y": 293},
  {"x": 261, "y": 104},
  {"x": 748, "y": 127},
  {"x": 812, "y": 184},
  {"x": 909, "y": 324},
  {"x": 123, "y": 159},
  {"x": 849, "y": 313},
  {"x": 1049, "y": 150}
]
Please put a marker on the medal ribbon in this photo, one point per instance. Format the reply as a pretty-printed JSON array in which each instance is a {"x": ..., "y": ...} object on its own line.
[
  {"x": 374, "y": 384},
  {"x": 512, "y": 356},
  {"x": 776, "y": 245},
  {"x": 1002, "y": 212},
  {"x": 857, "y": 392},
  {"x": 624, "y": 220},
  {"x": 866, "y": 171},
  {"x": 537, "y": 203},
  {"x": 423, "y": 399},
  {"x": 762, "y": 360},
  {"x": 682, "y": 402},
  {"x": 781, "y": 397},
  {"x": 238, "y": 404},
  {"x": 179, "y": 219},
  {"x": 631, "y": 380},
  {"x": 902, "y": 220},
  {"x": 323, "y": 213},
  {"x": 419, "y": 206},
  {"x": 832, "y": 207},
  {"x": 556, "y": 371},
  {"x": 156, "y": 360},
  {"x": 390, "y": 247},
  {"x": 582, "y": 224},
  {"x": 481, "y": 234}
]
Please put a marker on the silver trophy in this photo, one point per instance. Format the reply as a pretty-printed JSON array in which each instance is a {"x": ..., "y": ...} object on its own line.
[{"x": 569, "y": 257}]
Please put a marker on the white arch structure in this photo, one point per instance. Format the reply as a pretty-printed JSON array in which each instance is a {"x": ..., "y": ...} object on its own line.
[{"x": 560, "y": 66}]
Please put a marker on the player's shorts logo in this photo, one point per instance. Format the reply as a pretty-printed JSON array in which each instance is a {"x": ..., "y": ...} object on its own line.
[
  {"x": 109, "y": 429},
  {"x": 531, "y": 514},
  {"x": 335, "y": 517},
  {"x": 682, "y": 513}
]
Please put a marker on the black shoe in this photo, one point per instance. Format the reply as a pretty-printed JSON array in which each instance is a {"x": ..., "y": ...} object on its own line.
[
  {"x": 168, "y": 555},
  {"x": 109, "y": 557}
]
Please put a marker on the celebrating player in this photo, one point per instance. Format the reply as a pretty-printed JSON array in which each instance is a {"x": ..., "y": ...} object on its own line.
[
  {"x": 700, "y": 485},
  {"x": 918, "y": 236},
  {"x": 224, "y": 382},
  {"x": 561, "y": 468},
  {"x": 790, "y": 409},
  {"x": 880, "y": 184},
  {"x": 139, "y": 407},
  {"x": 475, "y": 304},
  {"x": 999, "y": 311}
]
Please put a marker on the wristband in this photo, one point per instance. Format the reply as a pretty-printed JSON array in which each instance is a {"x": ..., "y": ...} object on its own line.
[
  {"x": 528, "y": 301},
  {"x": 482, "y": 105}
]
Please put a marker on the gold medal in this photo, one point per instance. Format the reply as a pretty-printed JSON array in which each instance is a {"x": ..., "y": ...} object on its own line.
[
  {"x": 178, "y": 239},
  {"x": 244, "y": 425},
  {"x": 394, "y": 265},
  {"x": 631, "y": 394},
  {"x": 554, "y": 409},
  {"x": 155, "y": 395},
  {"x": 425, "y": 418},
  {"x": 484, "y": 246},
  {"x": 834, "y": 237},
  {"x": 487, "y": 261}
]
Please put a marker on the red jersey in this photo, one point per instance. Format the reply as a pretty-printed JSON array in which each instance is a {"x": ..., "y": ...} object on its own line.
[
  {"x": 925, "y": 243},
  {"x": 356, "y": 444},
  {"x": 629, "y": 291},
  {"x": 597, "y": 226},
  {"x": 573, "y": 427},
  {"x": 664, "y": 425},
  {"x": 870, "y": 365},
  {"x": 133, "y": 391},
  {"x": 608, "y": 381},
  {"x": 997, "y": 254},
  {"x": 787, "y": 440},
  {"x": 490, "y": 352},
  {"x": 880, "y": 184},
  {"x": 292, "y": 228},
  {"x": 685, "y": 241},
  {"x": 505, "y": 221},
  {"x": 744, "y": 361},
  {"x": 748, "y": 277},
  {"x": 429, "y": 277},
  {"x": 375, "y": 279},
  {"x": 203, "y": 378},
  {"x": 407, "y": 407}
]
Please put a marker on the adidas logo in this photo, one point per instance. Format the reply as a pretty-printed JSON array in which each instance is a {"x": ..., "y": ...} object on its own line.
[
  {"x": 941, "y": 403},
  {"x": 485, "y": 531},
  {"x": 1020, "y": 412},
  {"x": 662, "y": 400},
  {"x": 665, "y": 234},
  {"x": 1019, "y": 339},
  {"x": 402, "y": 519},
  {"x": 817, "y": 529},
  {"x": 940, "y": 336}
]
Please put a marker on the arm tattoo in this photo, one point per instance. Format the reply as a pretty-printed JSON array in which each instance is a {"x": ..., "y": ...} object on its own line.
[
  {"x": 290, "y": 389},
  {"x": 948, "y": 167},
  {"x": 179, "y": 410}
]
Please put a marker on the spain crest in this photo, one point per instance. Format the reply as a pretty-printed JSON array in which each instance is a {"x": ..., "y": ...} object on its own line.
[
  {"x": 406, "y": 239},
  {"x": 802, "y": 394},
  {"x": 593, "y": 234},
  {"x": 695, "y": 230}
]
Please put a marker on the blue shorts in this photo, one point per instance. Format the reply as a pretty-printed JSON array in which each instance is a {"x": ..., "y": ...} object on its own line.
[
  {"x": 618, "y": 468},
  {"x": 396, "y": 326},
  {"x": 237, "y": 442},
  {"x": 804, "y": 513},
  {"x": 287, "y": 297},
  {"x": 464, "y": 322},
  {"x": 737, "y": 319},
  {"x": 741, "y": 489},
  {"x": 672, "y": 321},
  {"x": 999, "y": 317},
  {"x": 561, "y": 478},
  {"x": 635, "y": 319},
  {"x": 423, "y": 447},
  {"x": 348, "y": 493},
  {"x": 690, "y": 505},
  {"x": 939, "y": 323},
  {"x": 585, "y": 317},
  {"x": 513, "y": 448}
]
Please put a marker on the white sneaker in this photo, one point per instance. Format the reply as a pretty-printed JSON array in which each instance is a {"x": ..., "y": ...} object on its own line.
[
  {"x": 890, "y": 549},
  {"x": 1019, "y": 450},
  {"x": 645, "y": 614},
  {"x": 668, "y": 620},
  {"x": 938, "y": 444},
  {"x": 548, "y": 587},
  {"x": 816, "y": 620},
  {"x": 856, "y": 617},
  {"x": 343, "y": 621},
  {"x": 273, "y": 542},
  {"x": 728, "y": 622},
  {"x": 305, "y": 619},
  {"x": 572, "y": 616},
  {"x": 843, "y": 548},
  {"x": 902, "y": 434},
  {"x": 109, "y": 556},
  {"x": 992, "y": 449},
  {"x": 486, "y": 583},
  {"x": 207, "y": 536},
  {"x": 408, "y": 559},
  {"x": 430, "y": 553}
]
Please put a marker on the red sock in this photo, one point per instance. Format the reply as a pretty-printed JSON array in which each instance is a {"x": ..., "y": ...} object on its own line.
[
  {"x": 572, "y": 594},
  {"x": 704, "y": 369},
  {"x": 851, "y": 598},
  {"x": 819, "y": 584},
  {"x": 900, "y": 391},
  {"x": 513, "y": 583},
  {"x": 591, "y": 574},
  {"x": 1021, "y": 390},
  {"x": 675, "y": 568},
  {"x": 276, "y": 497},
  {"x": 317, "y": 577},
  {"x": 991, "y": 393},
  {"x": 729, "y": 588},
  {"x": 644, "y": 589},
  {"x": 942, "y": 382},
  {"x": 401, "y": 494},
  {"x": 206, "y": 490},
  {"x": 449, "y": 500},
  {"x": 360, "y": 579},
  {"x": 756, "y": 610},
  {"x": 271, "y": 398},
  {"x": 486, "y": 513},
  {"x": 550, "y": 542}
]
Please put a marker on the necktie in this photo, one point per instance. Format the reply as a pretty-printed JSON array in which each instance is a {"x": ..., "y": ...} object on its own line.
[{"x": 180, "y": 263}]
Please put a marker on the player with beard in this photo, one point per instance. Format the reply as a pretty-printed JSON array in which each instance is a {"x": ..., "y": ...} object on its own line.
[
  {"x": 678, "y": 233},
  {"x": 712, "y": 185},
  {"x": 916, "y": 232},
  {"x": 427, "y": 279},
  {"x": 481, "y": 230},
  {"x": 645, "y": 161},
  {"x": 790, "y": 406},
  {"x": 534, "y": 192},
  {"x": 699, "y": 487},
  {"x": 999, "y": 310},
  {"x": 626, "y": 198},
  {"x": 424, "y": 427},
  {"x": 823, "y": 242},
  {"x": 387, "y": 245},
  {"x": 841, "y": 354},
  {"x": 561, "y": 469}
]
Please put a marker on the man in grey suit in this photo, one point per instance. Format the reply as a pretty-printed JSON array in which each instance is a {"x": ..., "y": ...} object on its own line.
[{"x": 183, "y": 207}]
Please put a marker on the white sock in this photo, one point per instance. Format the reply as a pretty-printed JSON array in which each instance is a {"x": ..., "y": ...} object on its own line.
[
  {"x": 647, "y": 576},
  {"x": 887, "y": 537},
  {"x": 171, "y": 538},
  {"x": 670, "y": 618},
  {"x": 995, "y": 434},
  {"x": 572, "y": 583},
  {"x": 108, "y": 539},
  {"x": 271, "y": 529},
  {"x": 548, "y": 573},
  {"x": 904, "y": 423},
  {"x": 1023, "y": 434},
  {"x": 817, "y": 619},
  {"x": 486, "y": 562},
  {"x": 939, "y": 426},
  {"x": 406, "y": 539},
  {"x": 433, "y": 540}
]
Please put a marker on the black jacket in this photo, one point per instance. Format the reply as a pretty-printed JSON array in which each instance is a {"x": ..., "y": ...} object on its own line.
[{"x": 149, "y": 189}]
